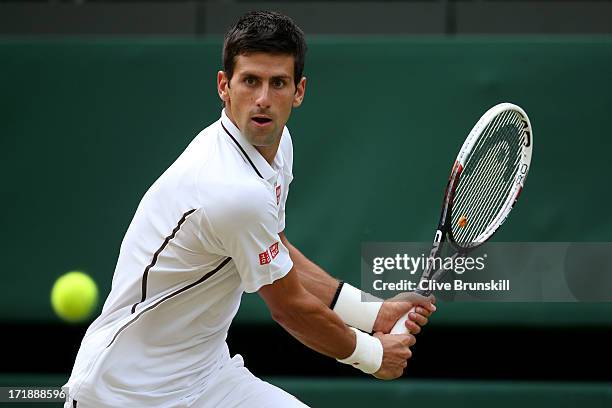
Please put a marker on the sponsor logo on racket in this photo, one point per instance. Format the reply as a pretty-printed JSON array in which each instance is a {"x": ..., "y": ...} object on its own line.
[{"x": 527, "y": 133}]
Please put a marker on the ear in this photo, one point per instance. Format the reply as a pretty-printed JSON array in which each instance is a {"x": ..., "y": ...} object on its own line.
[
  {"x": 222, "y": 86},
  {"x": 299, "y": 92}
]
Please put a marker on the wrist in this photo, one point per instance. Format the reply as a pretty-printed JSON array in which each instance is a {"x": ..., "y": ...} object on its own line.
[
  {"x": 382, "y": 319},
  {"x": 356, "y": 308},
  {"x": 367, "y": 355}
]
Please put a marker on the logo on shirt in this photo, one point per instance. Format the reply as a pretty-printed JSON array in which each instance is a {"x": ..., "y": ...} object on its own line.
[
  {"x": 278, "y": 194},
  {"x": 274, "y": 250},
  {"x": 266, "y": 256}
]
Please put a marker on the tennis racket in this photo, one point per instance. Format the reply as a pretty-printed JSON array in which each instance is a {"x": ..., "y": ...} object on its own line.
[{"x": 485, "y": 183}]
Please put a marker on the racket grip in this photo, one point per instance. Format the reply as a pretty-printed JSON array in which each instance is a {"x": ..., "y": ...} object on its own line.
[{"x": 400, "y": 326}]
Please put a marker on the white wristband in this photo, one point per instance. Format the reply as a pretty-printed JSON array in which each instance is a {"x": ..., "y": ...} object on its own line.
[
  {"x": 368, "y": 353},
  {"x": 355, "y": 311}
]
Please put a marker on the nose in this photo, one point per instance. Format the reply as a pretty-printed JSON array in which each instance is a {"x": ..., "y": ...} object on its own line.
[{"x": 263, "y": 97}]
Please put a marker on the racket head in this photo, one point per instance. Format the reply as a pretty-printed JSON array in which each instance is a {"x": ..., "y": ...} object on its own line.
[{"x": 488, "y": 176}]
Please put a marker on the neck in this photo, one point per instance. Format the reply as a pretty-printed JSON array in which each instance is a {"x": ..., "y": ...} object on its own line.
[{"x": 268, "y": 152}]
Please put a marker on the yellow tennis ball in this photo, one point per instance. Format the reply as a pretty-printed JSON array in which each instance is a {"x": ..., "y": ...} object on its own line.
[{"x": 74, "y": 296}]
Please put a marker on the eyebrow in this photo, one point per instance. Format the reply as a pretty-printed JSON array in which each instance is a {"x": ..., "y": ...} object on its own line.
[{"x": 280, "y": 76}]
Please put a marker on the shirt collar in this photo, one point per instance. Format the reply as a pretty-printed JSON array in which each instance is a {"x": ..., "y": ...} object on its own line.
[{"x": 256, "y": 160}]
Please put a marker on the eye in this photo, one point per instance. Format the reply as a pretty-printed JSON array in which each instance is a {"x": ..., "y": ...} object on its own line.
[
  {"x": 250, "y": 81},
  {"x": 278, "y": 83}
]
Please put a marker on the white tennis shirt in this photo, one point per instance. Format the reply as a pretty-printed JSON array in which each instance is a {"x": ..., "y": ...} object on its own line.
[{"x": 205, "y": 232}]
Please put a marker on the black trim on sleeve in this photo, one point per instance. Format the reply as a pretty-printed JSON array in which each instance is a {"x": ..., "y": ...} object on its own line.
[
  {"x": 145, "y": 274},
  {"x": 170, "y": 296},
  {"x": 337, "y": 295}
]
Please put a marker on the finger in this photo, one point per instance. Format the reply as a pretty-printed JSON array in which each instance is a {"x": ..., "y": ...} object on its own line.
[
  {"x": 430, "y": 307},
  {"x": 378, "y": 334},
  {"x": 422, "y": 311},
  {"x": 418, "y": 319},
  {"x": 403, "y": 297},
  {"x": 412, "y": 342},
  {"x": 408, "y": 340},
  {"x": 412, "y": 327},
  {"x": 424, "y": 301},
  {"x": 405, "y": 339}
]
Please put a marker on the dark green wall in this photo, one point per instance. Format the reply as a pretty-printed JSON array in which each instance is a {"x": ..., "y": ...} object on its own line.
[
  {"x": 332, "y": 392},
  {"x": 87, "y": 125}
]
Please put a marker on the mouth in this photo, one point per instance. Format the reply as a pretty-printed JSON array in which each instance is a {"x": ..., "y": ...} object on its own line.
[{"x": 261, "y": 120}]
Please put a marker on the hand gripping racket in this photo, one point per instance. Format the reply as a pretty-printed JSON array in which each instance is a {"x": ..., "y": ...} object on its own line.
[{"x": 485, "y": 183}]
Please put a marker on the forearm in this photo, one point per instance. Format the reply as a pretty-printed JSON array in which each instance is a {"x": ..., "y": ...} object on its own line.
[
  {"x": 348, "y": 303},
  {"x": 314, "y": 279},
  {"x": 315, "y": 325}
]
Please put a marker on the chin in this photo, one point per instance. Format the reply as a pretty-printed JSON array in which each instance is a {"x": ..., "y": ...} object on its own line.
[{"x": 261, "y": 140}]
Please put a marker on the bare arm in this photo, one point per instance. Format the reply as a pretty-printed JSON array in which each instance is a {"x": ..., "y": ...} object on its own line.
[
  {"x": 319, "y": 283},
  {"x": 315, "y": 325},
  {"x": 310, "y": 321},
  {"x": 306, "y": 318},
  {"x": 314, "y": 279}
]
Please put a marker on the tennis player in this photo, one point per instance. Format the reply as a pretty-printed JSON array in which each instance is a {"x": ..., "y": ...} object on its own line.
[{"x": 211, "y": 228}]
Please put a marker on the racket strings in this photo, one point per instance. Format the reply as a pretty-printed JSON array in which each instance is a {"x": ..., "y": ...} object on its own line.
[
  {"x": 490, "y": 206},
  {"x": 488, "y": 183},
  {"x": 495, "y": 169},
  {"x": 484, "y": 206},
  {"x": 477, "y": 178},
  {"x": 487, "y": 177}
]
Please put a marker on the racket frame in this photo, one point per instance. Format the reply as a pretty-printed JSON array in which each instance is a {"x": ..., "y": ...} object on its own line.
[{"x": 444, "y": 231}]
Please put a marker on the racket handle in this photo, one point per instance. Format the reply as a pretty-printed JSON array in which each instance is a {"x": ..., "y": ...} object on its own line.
[{"x": 400, "y": 326}]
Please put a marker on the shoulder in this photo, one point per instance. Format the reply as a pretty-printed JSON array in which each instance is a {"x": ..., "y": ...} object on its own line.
[
  {"x": 286, "y": 144},
  {"x": 202, "y": 148},
  {"x": 286, "y": 147},
  {"x": 207, "y": 137},
  {"x": 237, "y": 204}
]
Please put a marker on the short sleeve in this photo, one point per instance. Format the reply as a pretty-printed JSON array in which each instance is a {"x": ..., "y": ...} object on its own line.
[
  {"x": 246, "y": 226},
  {"x": 282, "y": 204},
  {"x": 287, "y": 177}
]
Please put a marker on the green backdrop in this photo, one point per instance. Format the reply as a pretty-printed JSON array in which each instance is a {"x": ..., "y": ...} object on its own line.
[
  {"x": 88, "y": 125},
  {"x": 364, "y": 393}
]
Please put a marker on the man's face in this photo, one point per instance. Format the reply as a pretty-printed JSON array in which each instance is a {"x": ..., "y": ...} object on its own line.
[{"x": 260, "y": 95}]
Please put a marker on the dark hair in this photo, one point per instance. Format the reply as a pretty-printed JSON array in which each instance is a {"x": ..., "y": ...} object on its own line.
[{"x": 264, "y": 31}]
